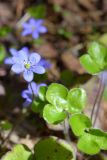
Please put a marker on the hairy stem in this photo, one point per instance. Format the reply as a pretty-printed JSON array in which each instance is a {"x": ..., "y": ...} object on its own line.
[
  {"x": 98, "y": 99},
  {"x": 66, "y": 131},
  {"x": 95, "y": 102},
  {"x": 99, "y": 104}
]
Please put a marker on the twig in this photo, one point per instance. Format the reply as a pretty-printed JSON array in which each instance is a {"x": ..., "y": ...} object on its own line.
[{"x": 22, "y": 20}]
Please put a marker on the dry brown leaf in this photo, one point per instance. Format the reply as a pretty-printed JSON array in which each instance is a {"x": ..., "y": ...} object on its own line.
[
  {"x": 71, "y": 62},
  {"x": 58, "y": 2},
  {"x": 87, "y": 4},
  {"x": 47, "y": 51},
  {"x": 6, "y": 13}
]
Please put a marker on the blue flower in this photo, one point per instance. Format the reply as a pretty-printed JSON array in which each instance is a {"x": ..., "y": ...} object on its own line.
[
  {"x": 14, "y": 52},
  {"x": 46, "y": 64},
  {"x": 27, "y": 64},
  {"x": 33, "y": 89},
  {"x": 33, "y": 27}
]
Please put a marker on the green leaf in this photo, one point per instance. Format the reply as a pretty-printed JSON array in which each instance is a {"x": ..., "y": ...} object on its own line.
[
  {"x": 37, "y": 106},
  {"x": 42, "y": 92},
  {"x": 79, "y": 123},
  {"x": 96, "y": 61},
  {"x": 53, "y": 149},
  {"x": 5, "y": 125},
  {"x": 19, "y": 152},
  {"x": 93, "y": 141},
  {"x": 87, "y": 145},
  {"x": 76, "y": 100},
  {"x": 53, "y": 115},
  {"x": 99, "y": 137},
  {"x": 89, "y": 64},
  {"x": 56, "y": 94},
  {"x": 103, "y": 39},
  {"x": 37, "y": 11},
  {"x": 2, "y": 53},
  {"x": 4, "y": 31},
  {"x": 98, "y": 53}
]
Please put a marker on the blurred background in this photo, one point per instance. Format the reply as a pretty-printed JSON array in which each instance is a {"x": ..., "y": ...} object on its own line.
[{"x": 72, "y": 25}]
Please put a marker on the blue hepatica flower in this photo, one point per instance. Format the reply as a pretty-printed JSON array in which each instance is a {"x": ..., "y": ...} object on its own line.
[
  {"x": 32, "y": 89},
  {"x": 24, "y": 62},
  {"x": 45, "y": 63},
  {"x": 14, "y": 52},
  {"x": 33, "y": 27}
]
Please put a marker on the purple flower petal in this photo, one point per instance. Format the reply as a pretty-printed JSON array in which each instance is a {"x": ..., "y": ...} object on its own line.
[
  {"x": 32, "y": 87},
  {"x": 25, "y": 49},
  {"x": 13, "y": 51},
  {"x": 8, "y": 61},
  {"x": 38, "y": 69},
  {"x": 26, "y": 32},
  {"x": 39, "y": 22},
  {"x": 28, "y": 75},
  {"x": 26, "y": 103},
  {"x": 42, "y": 29},
  {"x": 17, "y": 68},
  {"x": 34, "y": 58},
  {"x": 22, "y": 56},
  {"x": 25, "y": 93},
  {"x": 46, "y": 64},
  {"x": 35, "y": 34},
  {"x": 32, "y": 22},
  {"x": 26, "y": 25}
]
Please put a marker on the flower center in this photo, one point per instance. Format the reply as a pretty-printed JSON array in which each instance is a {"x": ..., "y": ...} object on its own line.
[
  {"x": 27, "y": 65},
  {"x": 33, "y": 28}
]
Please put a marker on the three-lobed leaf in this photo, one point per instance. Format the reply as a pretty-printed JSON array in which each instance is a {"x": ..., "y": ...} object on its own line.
[
  {"x": 99, "y": 53},
  {"x": 96, "y": 59},
  {"x": 87, "y": 145},
  {"x": 56, "y": 94},
  {"x": 93, "y": 141},
  {"x": 52, "y": 114},
  {"x": 19, "y": 152},
  {"x": 89, "y": 64},
  {"x": 76, "y": 100},
  {"x": 79, "y": 123},
  {"x": 42, "y": 93},
  {"x": 38, "y": 105},
  {"x": 53, "y": 149}
]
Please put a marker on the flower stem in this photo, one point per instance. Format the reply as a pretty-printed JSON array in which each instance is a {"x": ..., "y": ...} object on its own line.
[
  {"x": 99, "y": 104},
  {"x": 95, "y": 102},
  {"x": 98, "y": 100},
  {"x": 66, "y": 131}
]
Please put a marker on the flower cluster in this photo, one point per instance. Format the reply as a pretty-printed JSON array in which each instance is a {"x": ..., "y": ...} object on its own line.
[
  {"x": 33, "y": 27},
  {"x": 33, "y": 89},
  {"x": 26, "y": 63}
]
